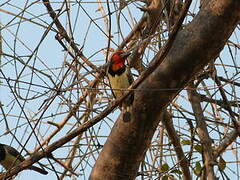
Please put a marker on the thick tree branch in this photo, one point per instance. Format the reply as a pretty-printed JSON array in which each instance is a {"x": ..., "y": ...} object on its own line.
[{"x": 195, "y": 46}]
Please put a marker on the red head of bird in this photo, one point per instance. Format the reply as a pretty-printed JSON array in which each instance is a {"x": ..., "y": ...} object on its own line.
[{"x": 117, "y": 62}]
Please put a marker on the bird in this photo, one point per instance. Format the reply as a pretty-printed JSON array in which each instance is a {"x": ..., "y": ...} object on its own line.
[
  {"x": 10, "y": 157},
  {"x": 120, "y": 78}
]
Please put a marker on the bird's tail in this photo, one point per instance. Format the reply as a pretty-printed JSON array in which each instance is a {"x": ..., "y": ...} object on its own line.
[
  {"x": 127, "y": 105},
  {"x": 126, "y": 114},
  {"x": 37, "y": 169}
]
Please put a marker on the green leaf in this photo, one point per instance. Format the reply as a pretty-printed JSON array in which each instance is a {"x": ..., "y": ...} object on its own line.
[
  {"x": 198, "y": 148},
  {"x": 221, "y": 164},
  {"x": 198, "y": 169},
  {"x": 186, "y": 142},
  {"x": 176, "y": 171},
  {"x": 164, "y": 167}
]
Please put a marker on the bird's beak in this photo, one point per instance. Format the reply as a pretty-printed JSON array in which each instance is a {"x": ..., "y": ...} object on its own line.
[{"x": 125, "y": 55}]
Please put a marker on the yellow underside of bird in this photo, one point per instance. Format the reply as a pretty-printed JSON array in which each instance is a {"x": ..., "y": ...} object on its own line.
[{"x": 119, "y": 84}]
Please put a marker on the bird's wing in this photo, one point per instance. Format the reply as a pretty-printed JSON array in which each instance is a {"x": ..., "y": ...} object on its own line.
[
  {"x": 14, "y": 152},
  {"x": 130, "y": 99},
  {"x": 109, "y": 80},
  {"x": 129, "y": 74}
]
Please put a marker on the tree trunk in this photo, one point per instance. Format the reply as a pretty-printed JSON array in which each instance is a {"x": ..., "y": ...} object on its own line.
[{"x": 195, "y": 45}]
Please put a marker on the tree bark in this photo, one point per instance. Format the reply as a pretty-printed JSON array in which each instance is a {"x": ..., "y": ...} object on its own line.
[
  {"x": 196, "y": 45},
  {"x": 174, "y": 137},
  {"x": 205, "y": 139}
]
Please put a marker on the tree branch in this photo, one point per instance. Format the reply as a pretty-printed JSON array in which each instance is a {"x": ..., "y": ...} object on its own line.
[
  {"x": 184, "y": 164},
  {"x": 126, "y": 146},
  {"x": 205, "y": 139}
]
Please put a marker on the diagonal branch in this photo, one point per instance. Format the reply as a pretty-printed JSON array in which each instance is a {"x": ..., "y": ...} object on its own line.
[
  {"x": 202, "y": 132},
  {"x": 63, "y": 34},
  {"x": 184, "y": 164}
]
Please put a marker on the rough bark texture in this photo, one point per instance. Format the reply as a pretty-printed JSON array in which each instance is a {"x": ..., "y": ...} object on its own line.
[{"x": 194, "y": 47}]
